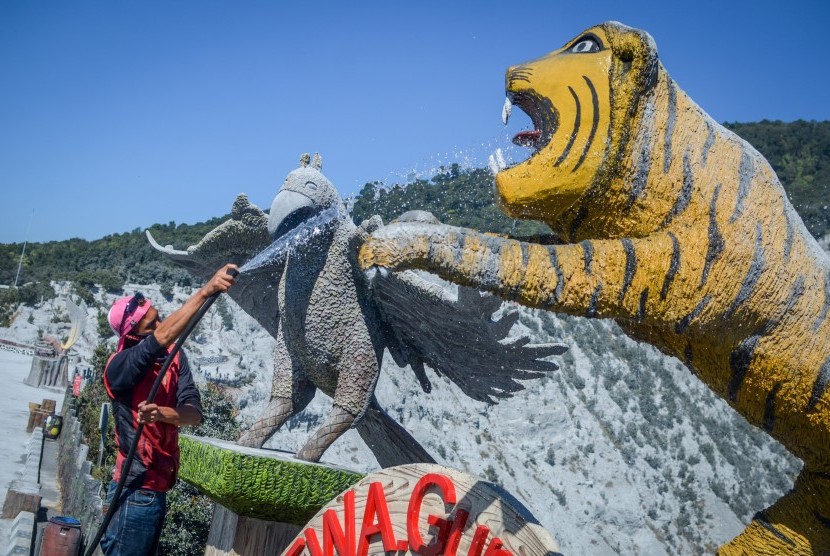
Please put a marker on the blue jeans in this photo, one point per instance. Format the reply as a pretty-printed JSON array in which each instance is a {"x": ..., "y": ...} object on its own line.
[{"x": 136, "y": 526}]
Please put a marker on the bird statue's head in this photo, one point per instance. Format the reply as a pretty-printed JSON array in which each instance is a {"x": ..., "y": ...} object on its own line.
[{"x": 305, "y": 193}]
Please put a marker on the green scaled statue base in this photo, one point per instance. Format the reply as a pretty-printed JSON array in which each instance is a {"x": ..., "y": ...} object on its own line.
[{"x": 263, "y": 484}]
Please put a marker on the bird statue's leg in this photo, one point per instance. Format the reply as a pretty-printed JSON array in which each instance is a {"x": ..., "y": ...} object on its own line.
[
  {"x": 357, "y": 375},
  {"x": 338, "y": 422},
  {"x": 291, "y": 392},
  {"x": 278, "y": 411}
]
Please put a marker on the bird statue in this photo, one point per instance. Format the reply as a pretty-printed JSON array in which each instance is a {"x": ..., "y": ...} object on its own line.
[{"x": 332, "y": 322}]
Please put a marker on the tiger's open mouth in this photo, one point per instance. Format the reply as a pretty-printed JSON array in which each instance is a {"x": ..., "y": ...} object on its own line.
[
  {"x": 541, "y": 113},
  {"x": 544, "y": 117}
]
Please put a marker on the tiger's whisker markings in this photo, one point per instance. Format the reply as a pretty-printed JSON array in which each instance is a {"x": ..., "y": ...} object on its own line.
[
  {"x": 594, "y": 123},
  {"x": 577, "y": 119},
  {"x": 519, "y": 74}
]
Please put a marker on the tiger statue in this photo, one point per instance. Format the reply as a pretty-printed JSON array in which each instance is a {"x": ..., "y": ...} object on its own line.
[{"x": 674, "y": 227}]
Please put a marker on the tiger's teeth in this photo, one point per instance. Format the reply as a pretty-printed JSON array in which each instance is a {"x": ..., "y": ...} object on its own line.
[{"x": 506, "y": 109}]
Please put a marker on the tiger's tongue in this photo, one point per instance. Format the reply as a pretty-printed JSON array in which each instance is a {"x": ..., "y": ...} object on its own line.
[{"x": 527, "y": 138}]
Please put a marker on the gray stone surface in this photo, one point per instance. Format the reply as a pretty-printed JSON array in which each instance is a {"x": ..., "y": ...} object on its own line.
[
  {"x": 79, "y": 491},
  {"x": 20, "y": 538}
]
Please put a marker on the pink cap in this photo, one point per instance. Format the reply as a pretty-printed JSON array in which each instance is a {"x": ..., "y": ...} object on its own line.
[{"x": 135, "y": 307}]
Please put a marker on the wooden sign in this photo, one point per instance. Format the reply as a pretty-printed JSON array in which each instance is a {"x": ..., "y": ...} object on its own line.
[{"x": 423, "y": 509}]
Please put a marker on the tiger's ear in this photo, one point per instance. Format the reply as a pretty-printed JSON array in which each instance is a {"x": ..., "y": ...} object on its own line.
[
  {"x": 635, "y": 54},
  {"x": 317, "y": 162}
]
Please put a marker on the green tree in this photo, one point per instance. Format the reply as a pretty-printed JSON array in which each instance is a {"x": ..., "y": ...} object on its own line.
[
  {"x": 110, "y": 281},
  {"x": 104, "y": 328},
  {"x": 9, "y": 300},
  {"x": 85, "y": 293}
]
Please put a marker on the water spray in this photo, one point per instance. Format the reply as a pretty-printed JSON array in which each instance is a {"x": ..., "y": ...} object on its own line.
[{"x": 289, "y": 242}]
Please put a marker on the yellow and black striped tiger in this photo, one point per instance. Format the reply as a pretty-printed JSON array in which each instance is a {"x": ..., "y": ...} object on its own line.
[{"x": 680, "y": 231}]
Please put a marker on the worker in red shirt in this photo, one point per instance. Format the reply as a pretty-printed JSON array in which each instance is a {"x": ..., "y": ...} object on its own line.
[{"x": 144, "y": 343}]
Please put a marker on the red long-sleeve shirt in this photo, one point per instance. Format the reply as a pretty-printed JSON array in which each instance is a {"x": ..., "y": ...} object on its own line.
[{"x": 128, "y": 378}]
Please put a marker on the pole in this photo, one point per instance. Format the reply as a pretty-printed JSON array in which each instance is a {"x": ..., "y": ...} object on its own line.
[{"x": 25, "y": 239}]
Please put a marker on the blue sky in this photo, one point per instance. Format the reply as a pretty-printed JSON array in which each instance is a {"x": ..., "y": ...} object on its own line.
[{"x": 117, "y": 115}]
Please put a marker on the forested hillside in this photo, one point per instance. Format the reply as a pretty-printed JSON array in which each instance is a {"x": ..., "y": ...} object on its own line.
[{"x": 798, "y": 151}]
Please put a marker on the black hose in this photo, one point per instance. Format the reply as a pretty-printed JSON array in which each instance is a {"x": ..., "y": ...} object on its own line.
[{"x": 150, "y": 397}]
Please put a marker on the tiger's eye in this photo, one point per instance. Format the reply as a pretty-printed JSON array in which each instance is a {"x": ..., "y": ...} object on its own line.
[{"x": 585, "y": 45}]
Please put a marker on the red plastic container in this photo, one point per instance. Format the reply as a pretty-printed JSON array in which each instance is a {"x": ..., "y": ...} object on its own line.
[{"x": 61, "y": 537}]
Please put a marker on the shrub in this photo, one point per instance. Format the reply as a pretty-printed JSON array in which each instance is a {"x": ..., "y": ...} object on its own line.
[
  {"x": 189, "y": 513},
  {"x": 104, "y": 329},
  {"x": 32, "y": 293},
  {"x": 187, "y": 523},
  {"x": 166, "y": 291},
  {"x": 550, "y": 457},
  {"x": 8, "y": 304},
  {"x": 84, "y": 293},
  {"x": 110, "y": 281}
]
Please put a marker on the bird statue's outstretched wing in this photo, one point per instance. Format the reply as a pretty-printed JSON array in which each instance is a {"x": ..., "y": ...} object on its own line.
[
  {"x": 455, "y": 335},
  {"x": 451, "y": 329},
  {"x": 236, "y": 241}
]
